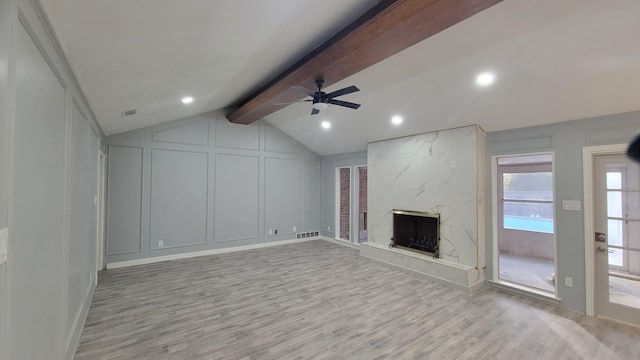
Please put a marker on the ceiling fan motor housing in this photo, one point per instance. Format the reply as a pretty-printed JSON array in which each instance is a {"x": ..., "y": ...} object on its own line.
[{"x": 321, "y": 100}]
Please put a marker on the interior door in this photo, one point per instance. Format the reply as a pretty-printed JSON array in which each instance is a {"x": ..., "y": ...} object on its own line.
[{"x": 617, "y": 245}]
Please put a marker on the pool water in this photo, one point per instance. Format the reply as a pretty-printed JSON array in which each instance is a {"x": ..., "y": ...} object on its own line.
[{"x": 528, "y": 224}]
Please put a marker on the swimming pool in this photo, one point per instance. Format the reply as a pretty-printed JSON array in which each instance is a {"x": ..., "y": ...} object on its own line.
[{"x": 528, "y": 224}]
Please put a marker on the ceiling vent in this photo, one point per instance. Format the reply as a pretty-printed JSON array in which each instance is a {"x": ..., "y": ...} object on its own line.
[{"x": 128, "y": 113}]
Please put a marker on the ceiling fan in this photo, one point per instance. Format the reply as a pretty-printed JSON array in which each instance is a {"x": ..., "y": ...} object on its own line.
[{"x": 321, "y": 100}]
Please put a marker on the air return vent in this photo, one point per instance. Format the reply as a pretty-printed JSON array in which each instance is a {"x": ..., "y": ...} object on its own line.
[
  {"x": 128, "y": 113},
  {"x": 306, "y": 235}
]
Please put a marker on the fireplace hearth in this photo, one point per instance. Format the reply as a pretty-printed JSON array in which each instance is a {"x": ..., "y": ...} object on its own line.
[{"x": 417, "y": 231}]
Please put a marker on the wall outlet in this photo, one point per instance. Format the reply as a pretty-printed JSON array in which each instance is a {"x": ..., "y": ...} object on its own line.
[
  {"x": 454, "y": 164},
  {"x": 160, "y": 243},
  {"x": 568, "y": 281},
  {"x": 294, "y": 228},
  {"x": 328, "y": 228},
  {"x": 276, "y": 232},
  {"x": 270, "y": 231}
]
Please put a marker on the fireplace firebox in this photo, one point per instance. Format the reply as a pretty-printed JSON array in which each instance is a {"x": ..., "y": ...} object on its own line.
[{"x": 416, "y": 231}]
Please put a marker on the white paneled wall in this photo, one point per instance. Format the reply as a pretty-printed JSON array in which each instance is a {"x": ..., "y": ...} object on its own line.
[
  {"x": 199, "y": 184},
  {"x": 48, "y": 185}
]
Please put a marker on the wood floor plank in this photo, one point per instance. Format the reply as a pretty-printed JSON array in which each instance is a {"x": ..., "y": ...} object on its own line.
[{"x": 318, "y": 300}]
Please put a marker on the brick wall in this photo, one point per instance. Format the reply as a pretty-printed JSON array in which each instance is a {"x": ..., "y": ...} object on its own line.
[{"x": 345, "y": 194}]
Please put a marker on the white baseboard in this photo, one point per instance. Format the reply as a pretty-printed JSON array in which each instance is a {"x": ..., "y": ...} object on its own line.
[
  {"x": 151, "y": 260},
  {"x": 78, "y": 323}
]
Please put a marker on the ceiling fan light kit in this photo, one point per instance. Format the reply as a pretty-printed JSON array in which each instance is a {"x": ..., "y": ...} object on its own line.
[{"x": 320, "y": 105}]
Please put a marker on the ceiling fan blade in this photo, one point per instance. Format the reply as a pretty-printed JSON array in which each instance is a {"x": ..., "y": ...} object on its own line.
[
  {"x": 304, "y": 90},
  {"x": 343, "y": 103},
  {"x": 345, "y": 91},
  {"x": 315, "y": 111},
  {"x": 292, "y": 102}
]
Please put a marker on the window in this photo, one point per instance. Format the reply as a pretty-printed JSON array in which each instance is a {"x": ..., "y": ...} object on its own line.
[
  {"x": 528, "y": 200},
  {"x": 615, "y": 214}
]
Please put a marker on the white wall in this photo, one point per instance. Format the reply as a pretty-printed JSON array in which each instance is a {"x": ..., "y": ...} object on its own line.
[{"x": 48, "y": 179}]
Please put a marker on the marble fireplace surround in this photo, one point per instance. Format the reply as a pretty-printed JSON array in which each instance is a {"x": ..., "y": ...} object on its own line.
[{"x": 440, "y": 172}]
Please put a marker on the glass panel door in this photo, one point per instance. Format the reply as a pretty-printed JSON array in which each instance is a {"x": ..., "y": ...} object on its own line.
[
  {"x": 526, "y": 233},
  {"x": 617, "y": 201}
]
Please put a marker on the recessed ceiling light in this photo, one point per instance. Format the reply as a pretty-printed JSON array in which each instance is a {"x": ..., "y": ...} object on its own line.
[
  {"x": 325, "y": 125},
  {"x": 396, "y": 120},
  {"x": 485, "y": 79},
  {"x": 187, "y": 100}
]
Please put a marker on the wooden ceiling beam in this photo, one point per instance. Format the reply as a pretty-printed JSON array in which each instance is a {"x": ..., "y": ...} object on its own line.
[{"x": 388, "y": 28}]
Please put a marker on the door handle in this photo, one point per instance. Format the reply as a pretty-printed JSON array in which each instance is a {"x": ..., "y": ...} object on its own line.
[{"x": 604, "y": 249}]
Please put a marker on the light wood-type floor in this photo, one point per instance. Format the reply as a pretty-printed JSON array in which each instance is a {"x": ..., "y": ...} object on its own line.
[{"x": 318, "y": 300}]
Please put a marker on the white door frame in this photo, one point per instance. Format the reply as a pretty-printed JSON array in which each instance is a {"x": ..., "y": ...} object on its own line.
[
  {"x": 588, "y": 165},
  {"x": 100, "y": 212},
  {"x": 355, "y": 218},
  {"x": 496, "y": 189}
]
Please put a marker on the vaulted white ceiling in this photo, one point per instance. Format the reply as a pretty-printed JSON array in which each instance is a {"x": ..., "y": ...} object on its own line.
[{"x": 553, "y": 60}]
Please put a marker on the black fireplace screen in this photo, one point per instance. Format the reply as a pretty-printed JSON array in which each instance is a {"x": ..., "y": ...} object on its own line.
[{"x": 416, "y": 230}]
